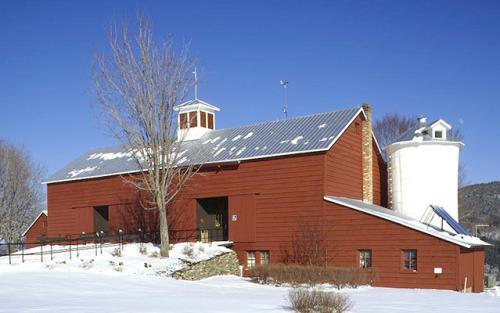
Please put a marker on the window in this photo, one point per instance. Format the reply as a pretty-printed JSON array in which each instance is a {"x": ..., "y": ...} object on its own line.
[
  {"x": 438, "y": 134},
  {"x": 250, "y": 259},
  {"x": 193, "y": 119},
  {"x": 365, "y": 258},
  {"x": 203, "y": 119},
  {"x": 45, "y": 224},
  {"x": 210, "y": 121},
  {"x": 183, "y": 120},
  {"x": 264, "y": 257},
  {"x": 410, "y": 260}
]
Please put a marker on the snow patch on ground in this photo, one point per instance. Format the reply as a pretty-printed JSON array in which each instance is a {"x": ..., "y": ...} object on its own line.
[
  {"x": 141, "y": 259},
  {"x": 59, "y": 292}
]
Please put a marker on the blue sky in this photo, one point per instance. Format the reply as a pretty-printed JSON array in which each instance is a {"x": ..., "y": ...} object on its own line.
[{"x": 437, "y": 58}]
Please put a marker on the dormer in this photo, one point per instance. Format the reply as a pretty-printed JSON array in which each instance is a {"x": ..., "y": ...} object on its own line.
[
  {"x": 195, "y": 118},
  {"x": 439, "y": 130}
]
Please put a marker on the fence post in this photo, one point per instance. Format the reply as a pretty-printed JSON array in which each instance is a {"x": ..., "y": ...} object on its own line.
[
  {"x": 102, "y": 239},
  {"x": 41, "y": 253},
  {"x": 95, "y": 242},
  {"x": 120, "y": 239},
  {"x": 77, "y": 252},
  {"x": 22, "y": 252},
  {"x": 51, "y": 255},
  {"x": 69, "y": 247},
  {"x": 8, "y": 249}
]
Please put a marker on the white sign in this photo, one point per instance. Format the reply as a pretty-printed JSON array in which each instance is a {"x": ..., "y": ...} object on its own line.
[
  {"x": 234, "y": 217},
  {"x": 438, "y": 270}
]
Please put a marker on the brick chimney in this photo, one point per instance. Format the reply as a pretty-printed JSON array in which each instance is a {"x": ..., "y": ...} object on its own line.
[{"x": 367, "y": 147}]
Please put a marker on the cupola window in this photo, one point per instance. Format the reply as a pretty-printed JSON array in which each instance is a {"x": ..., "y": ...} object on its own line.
[{"x": 438, "y": 134}]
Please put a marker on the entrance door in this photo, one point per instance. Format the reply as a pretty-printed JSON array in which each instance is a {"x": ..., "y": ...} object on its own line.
[
  {"x": 101, "y": 219},
  {"x": 211, "y": 216}
]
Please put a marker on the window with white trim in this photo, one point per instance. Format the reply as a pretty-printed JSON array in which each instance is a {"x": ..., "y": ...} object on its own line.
[
  {"x": 264, "y": 257},
  {"x": 250, "y": 259},
  {"x": 410, "y": 260},
  {"x": 365, "y": 258}
]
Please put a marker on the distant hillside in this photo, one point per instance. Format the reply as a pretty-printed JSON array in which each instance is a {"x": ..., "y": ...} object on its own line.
[{"x": 480, "y": 204}]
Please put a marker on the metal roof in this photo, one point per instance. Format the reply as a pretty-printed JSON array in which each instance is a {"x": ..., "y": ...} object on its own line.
[
  {"x": 393, "y": 216},
  {"x": 304, "y": 134}
]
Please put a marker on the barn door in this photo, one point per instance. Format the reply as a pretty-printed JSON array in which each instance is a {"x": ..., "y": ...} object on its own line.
[
  {"x": 242, "y": 218},
  {"x": 84, "y": 220}
]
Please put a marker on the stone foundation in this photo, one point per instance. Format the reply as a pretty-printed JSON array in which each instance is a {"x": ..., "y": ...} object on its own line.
[{"x": 223, "y": 264}]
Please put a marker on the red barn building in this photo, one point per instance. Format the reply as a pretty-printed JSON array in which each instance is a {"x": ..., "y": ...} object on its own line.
[
  {"x": 36, "y": 231},
  {"x": 260, "y": 184}
]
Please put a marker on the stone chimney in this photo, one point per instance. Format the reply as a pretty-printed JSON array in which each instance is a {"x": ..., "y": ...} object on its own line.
[{"x": 367, "y": 155}]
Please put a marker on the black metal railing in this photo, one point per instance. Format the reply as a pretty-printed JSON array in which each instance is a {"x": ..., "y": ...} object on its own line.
[{"x": 72, "y": 245}]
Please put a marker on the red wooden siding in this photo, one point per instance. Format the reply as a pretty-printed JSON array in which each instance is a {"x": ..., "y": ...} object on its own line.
[
  {"x": 285, "y": 191},
  {"x": 350, "y": 231},
  {"x": 272, "y": 198},
  {"x": 37, "y": 230},
  {"x": 242, "y": 218},
  {"x": 472, "y": 267},
  {"x": 343, "y": 164}
]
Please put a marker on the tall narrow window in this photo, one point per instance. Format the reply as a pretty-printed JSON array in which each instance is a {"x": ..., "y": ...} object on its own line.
[
  {"x": 264, "y": 257},
  {"x": 193, "y": 119},
  {"x": 183, "y": 120},
  {"x": 210, "y": 121},
  {"x": 410, "y": 260},
  {"x": 250, "y": 259},
  {"x": 203, "y": 119},
  {"x": 365, "y": 258}
]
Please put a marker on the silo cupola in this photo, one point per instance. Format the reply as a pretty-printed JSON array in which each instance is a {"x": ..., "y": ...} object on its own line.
[{"x": 195, "y": 118}]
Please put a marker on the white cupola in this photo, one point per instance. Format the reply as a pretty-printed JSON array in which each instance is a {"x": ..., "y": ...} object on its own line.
[{"x": 195, "y": 118}]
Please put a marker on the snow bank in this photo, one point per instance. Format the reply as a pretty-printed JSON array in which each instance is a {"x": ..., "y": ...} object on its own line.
[{"x": 135, "y": 258}]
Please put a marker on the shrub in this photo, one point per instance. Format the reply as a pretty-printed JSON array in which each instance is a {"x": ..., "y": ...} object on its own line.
[
  {"x": 154, "y": 254},
  {"x": 117, "y": 252},
  {"x": 143, "y": 249},
  {"x": 312, "y": 301},
  {"x": 188, "y": 250},
  {"x": 296, "y": 275}
]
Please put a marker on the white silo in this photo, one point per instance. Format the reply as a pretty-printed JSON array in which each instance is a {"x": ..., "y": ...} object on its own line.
[{"x": 423, "y": 170}]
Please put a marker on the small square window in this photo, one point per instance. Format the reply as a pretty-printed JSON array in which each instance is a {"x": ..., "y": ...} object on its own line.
[
  {"x": 365, "y": 258},
  {"x": 410, "y": 260},
  {"x": 250, "y": 259},
  {"x": 45, "y": 224},
  {"x": 264, "y": 257},
  {"x": 438, "y": 134}
]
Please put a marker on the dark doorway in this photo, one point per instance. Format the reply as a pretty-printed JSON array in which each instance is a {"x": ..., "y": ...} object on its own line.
[
  {"x": 101, "y": 219},
  {"x": 211, "y": 216}
]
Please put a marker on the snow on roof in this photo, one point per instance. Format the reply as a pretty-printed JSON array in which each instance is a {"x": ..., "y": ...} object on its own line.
[
  {"x": 390, "y": 215},
  {"x": 264, "y": 140},
  {"x": 44, "y": 212}
]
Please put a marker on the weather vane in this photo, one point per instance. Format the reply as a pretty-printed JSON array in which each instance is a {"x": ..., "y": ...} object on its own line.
[
  {"x": 284, "y": 83},
  {"x": 195, "y": 84}
]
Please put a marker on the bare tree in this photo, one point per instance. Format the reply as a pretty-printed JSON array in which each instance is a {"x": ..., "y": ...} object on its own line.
[
  {"x": 391, "y": 126},
  {"x": 137, "y": 88},
  {"x": 20, "y": 191},
  {"x": 388, "y": 128}
]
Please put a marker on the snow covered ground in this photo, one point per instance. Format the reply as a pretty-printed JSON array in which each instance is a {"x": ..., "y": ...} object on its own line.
[
  {"x": 135, "y": 259},
  {"x": 72, "y": 287}
]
